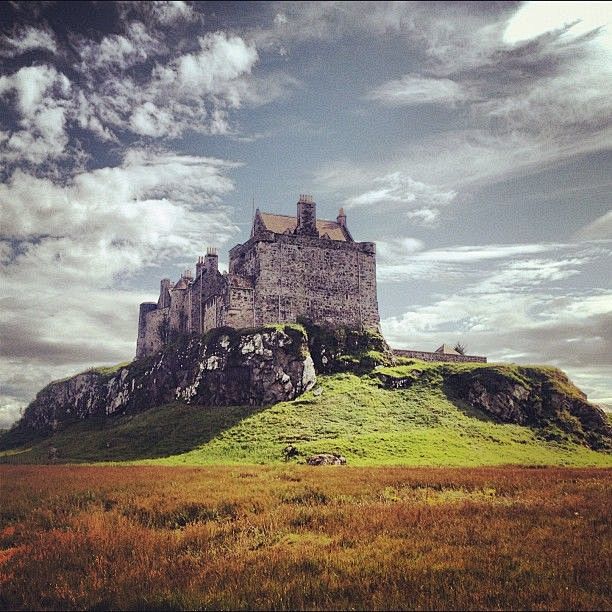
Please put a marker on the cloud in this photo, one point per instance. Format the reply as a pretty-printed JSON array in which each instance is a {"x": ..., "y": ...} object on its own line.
[
  {"x": 600, "y": 229},
  {"x": 404, "y": 259},
  {"x": 28, "y": 38},
  {"x": 11, "y": 410},
  {"x": 119, "y": 51},
  {"x": 149, "y": 120},
  {"x": 398, "y": 190},
  {"x": 159, "y": 12},
  {"x": 533, "y": 19},
  {"x": 168, "y": 13},
  {"x": 151, "y": 204},
  {"x": 427, "y": 217},
  {"x": 413, "y": 90},
  {"x": 192, "y": 91},
  {"x": 41, "y": 97},
  {"x": 526, "y": 101},
  {"x": 219, "y": 62}
]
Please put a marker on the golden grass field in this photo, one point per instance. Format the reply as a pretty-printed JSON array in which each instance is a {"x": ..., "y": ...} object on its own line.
[{"x": 295, "y": 537}]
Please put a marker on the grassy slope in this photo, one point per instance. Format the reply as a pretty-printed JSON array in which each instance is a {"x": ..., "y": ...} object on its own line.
[{"x": 351, "y": 415}]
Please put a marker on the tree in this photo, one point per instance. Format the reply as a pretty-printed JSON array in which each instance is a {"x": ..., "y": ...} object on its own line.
[{"x": 460, "y": 348}]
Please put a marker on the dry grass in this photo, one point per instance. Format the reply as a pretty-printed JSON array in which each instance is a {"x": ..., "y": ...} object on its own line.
[{"x": 296, "y": 537}]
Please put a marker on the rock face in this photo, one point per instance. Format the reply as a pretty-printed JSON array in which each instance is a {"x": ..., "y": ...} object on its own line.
[
  {"x": 342, "y": 349},
  {"x": 542, "y": 397},
  {"x": 224, "y": 367}
]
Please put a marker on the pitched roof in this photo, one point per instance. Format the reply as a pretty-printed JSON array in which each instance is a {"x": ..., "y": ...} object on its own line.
[{"x": 284, "y": 224}]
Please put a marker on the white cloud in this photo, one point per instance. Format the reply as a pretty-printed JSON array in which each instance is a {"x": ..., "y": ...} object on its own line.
[
  {"x": 600, "y": 229},
  {"x": 27, "y": 39},
  {"x": 152, "y": 206},
  {"x": 150, "y": 120},
  {"x": 42, "y": 98},
  {"x": 575, "y": 19},
  {"x": 190, "y": 91},
  {"x": 11, "y": 410},
  {"x": 528, "y": 101},
  {"x": 168, "y": 13},
  {"x": 397, "y": 189},
  {"x": 413, "y": 89},
  {"x": 220, "y": 62},
  {"x": 403, "y": 259},
  {"x": 424, "y": 216},
  {"x": 119, "y": 51},
  {"x": 467, "y": 254}
]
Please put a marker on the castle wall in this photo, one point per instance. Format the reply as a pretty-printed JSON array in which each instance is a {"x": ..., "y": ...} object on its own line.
[
  {"x": 212, "y": 314},
  {"x": 153, "y": 330},
  {"x": 179, "y": 317},
  {"x": 327, "y": 281},
  {"x": 206, "y": 286}
]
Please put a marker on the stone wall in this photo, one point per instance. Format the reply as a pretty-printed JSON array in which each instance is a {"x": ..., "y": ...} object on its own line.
[
  {"x": 326, "y": 281},
  {"x": 154, "y": 333},
  {"x": 427, "y": 356}
]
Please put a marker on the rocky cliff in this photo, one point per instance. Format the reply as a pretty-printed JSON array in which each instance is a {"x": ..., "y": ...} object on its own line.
[
  {"x": 224, "y": 367},
  {"x": 536, "y": 396}
]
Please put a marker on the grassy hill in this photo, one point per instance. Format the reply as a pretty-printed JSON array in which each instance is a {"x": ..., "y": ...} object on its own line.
[{"x": 357, "y": 416}]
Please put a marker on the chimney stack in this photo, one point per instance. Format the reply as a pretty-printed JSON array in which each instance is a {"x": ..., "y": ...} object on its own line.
[
  {"x": 211, "y": 261},
  {"x": 306, "y": 216},
  {"x": 341, "y": 218}
]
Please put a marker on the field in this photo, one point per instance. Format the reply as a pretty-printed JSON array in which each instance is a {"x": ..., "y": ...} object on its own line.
[{"x": 290, "y": 536}]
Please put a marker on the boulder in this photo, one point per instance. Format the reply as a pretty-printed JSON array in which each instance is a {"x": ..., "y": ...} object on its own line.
[{"x": 326, "y": 459}]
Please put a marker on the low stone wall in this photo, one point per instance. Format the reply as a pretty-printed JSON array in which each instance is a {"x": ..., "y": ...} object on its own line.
[{"x": 427, "y": 356}]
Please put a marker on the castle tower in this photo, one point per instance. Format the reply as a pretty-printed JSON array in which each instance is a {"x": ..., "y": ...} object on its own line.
[{"x": 306, "y": 216}]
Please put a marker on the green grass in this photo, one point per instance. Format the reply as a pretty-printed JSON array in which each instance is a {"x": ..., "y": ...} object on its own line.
[{"x": 347, "y": 414}]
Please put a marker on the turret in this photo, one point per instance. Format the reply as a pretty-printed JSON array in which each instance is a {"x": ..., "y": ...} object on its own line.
[
  {"x": 164, "y": 293},
  {"x": 306, "y": 216}
]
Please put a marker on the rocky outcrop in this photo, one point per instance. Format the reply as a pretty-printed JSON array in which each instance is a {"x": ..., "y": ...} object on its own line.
[
  {"x": 224, "y": 367},
  {"x": 343, "y": 349},
  {"x": 326, "y": 459},
  {"x": 539, "y": 397}
]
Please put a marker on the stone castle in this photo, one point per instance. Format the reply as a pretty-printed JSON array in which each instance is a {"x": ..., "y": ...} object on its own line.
[{"x": 290, "y": 268}]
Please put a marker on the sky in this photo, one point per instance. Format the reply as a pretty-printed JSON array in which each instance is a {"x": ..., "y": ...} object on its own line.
[{"x": 470, "y": 141}]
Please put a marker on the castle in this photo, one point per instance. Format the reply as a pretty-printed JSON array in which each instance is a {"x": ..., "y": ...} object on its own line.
[{"x": 290, "y": 268}]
